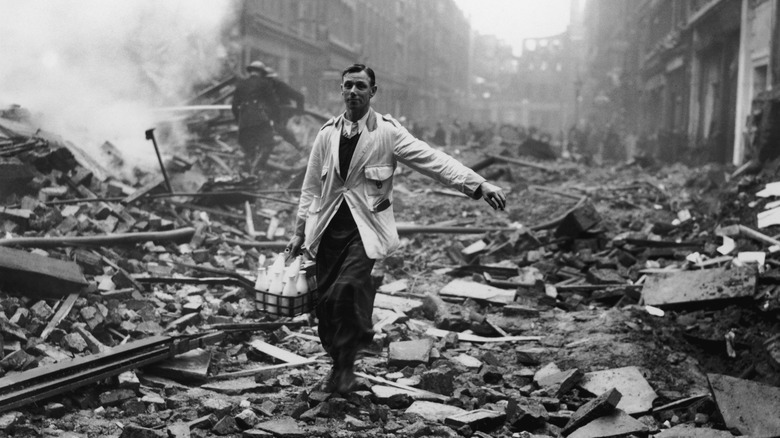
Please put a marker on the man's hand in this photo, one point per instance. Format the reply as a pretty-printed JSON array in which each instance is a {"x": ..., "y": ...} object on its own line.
[
  {"x": 493, "y": 195},
  {"x": 293, "y": 248}
]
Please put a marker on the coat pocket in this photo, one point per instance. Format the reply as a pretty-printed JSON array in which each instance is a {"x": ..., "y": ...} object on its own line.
[{"x": 378, "y": 179}]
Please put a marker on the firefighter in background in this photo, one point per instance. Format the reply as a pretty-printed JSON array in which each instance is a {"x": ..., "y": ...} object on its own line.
[{"x": 254, "y": 103}]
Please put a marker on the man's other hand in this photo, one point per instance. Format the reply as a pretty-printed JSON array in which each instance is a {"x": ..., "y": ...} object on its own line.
[
  {"x": 493, "y": 195},
  {"x": 293, "y": 248}
]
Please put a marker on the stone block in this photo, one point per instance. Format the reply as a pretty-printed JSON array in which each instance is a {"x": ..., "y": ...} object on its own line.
[
  {"x": 410, "y": 353},
  {"x": 637, "y": 394},
  {"x": 598, "y": 407},
  {"x": 431, "y": 411},
  {"x": 616, "y": 424}
]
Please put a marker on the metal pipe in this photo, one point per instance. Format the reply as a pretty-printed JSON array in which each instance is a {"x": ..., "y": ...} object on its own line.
[{"x": 150, "y": 136}]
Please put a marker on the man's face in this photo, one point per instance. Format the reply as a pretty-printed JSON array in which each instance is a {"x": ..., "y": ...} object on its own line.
[{"x": 357, "y": 90}]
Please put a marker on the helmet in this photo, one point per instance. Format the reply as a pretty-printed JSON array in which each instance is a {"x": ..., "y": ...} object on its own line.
[{"x": 256, "y": 65}]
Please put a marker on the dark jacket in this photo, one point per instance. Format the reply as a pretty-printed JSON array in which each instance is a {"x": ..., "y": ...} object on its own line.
[{"x": 254, "y": 99}]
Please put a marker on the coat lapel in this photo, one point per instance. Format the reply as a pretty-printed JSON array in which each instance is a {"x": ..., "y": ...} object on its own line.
[
  {"x": 364, "y": 142},
  {"x": 334, "y": 147}
]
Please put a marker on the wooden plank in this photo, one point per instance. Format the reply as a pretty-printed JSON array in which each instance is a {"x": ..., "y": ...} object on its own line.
[
  {"x": 41, "y": 275},
  {"x": 61, "y": 313},
  {"x": 466, "y": 337},
  {"x": 277, "y": 352},
  {"x": 255, "y": 371},
  {"x": 399, "y": 304},
  {"x": 478, "y": 291},
  {"x": 143, "y": 191}
]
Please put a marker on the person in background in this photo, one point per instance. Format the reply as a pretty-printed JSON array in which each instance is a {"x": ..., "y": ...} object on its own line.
[
  {"x": 287, "y": 97},
  {"x": 345, "y": 217},
  {"x": 254, "y": 101}
]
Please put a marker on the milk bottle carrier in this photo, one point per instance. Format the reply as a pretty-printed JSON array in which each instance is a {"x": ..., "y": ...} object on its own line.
[{"x": 286, "y": 291}]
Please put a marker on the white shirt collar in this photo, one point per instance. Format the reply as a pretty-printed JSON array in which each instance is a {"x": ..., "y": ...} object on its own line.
[{"x": 347, "y": 127}]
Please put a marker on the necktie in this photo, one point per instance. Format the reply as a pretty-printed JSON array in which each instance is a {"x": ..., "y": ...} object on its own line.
[{"x": 353, "y": 132}]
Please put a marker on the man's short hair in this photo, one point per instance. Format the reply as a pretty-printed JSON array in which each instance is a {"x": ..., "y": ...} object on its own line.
[{"x": 357, "y": 68}]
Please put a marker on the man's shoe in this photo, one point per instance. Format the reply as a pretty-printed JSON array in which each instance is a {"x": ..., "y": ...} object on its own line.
[{"x": 345, "y": 382}]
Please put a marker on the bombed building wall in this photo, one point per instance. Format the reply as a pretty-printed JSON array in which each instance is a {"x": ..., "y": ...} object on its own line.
[{"x": 686, "y": 75}]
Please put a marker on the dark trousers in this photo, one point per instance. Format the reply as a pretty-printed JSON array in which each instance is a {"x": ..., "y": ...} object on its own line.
[
  {"x": 346, "y": 291},
  {"x": 257, "y": 142}
]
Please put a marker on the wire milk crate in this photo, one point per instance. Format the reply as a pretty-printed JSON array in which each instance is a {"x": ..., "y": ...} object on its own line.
[{"x": 303, "y": 301}]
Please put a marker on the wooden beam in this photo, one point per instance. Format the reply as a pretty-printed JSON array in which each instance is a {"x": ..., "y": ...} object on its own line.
[{"x": 61, "y": 313}]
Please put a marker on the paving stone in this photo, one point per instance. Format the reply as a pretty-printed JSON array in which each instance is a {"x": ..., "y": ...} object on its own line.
[
  {"x": 284, "y": 427},
  {"x": 433, "y": 411},
  {"x": 560, "y": 383},
  {"x": 410, "y": 353},
  {"x": 691, "y": 431},
  {"x": 637, "y": 394},
  {"x": 482, "y": 419},
  {"x": 705, "y": 285},
  {"x": 747, "y": 406},
  {"x": 616, "y": 424},
  {"x": 598, "y": 407},
  {"x": 42, "y": 311}
]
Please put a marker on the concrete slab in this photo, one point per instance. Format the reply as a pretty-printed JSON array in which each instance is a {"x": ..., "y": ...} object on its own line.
[
  {"x": 409, "y": 353},
  {"x": 707, "y": 285},
  {"x": 482, "y": 420},
  {"x": 602, "y": 405},
  {"x": 638, "y": 395},
  {"x": 478, "y": 291},
  {"x": 750, "y": 407},
  {"x": 691, "y": 431},
  {"x": 283, "y": 427},
  {"x": 559, "y": 384},
  {"x": 616, "y": 424},
  {"x": 433, "y": 411}
]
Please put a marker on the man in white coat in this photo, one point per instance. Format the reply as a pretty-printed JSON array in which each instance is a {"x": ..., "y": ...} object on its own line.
[{"x": 345, "y": 216}]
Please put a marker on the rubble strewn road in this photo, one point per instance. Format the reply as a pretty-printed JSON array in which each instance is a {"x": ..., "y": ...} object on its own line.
[{"x": 604, "y": 302}]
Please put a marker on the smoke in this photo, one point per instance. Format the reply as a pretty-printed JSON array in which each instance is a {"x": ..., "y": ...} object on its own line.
[{"x": 92, "y": 70}]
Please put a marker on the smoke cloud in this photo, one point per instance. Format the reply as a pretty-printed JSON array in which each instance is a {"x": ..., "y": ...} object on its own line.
[{"x": 92, "y": 70}]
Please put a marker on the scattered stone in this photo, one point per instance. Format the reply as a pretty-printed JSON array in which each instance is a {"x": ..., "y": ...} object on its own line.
[
  {"x": 214, "y": 405},
  {"x": 129, "y": 380},
  {"x": 467, "y": 361},
  {"x": 599, "y": 406},
  {"x": 439, "y": 380},
  {"x": 747, "y": 406},
  {"x": 178, "y": 430},
  {"x": 9, "y": 419},
  {"x": 637, "y": 394},
  {"x": 410, "y": 353},
  {"x": 284, "y": 427},
  {"x": 136, "y": 431},
  {"x": 395, "y": 398},
  {"x": 526, "y": 414},
  {"x": 530, "y": 356},
  {"x": 560, "y": 383},
  {"x": 226, "y": 426},
  {"x": 55, "y": 410},
  {"x": 616, "y": 424},
  {"x": 431, "y": 411},
  {"x": 237, "y": 386},
  {"x": 116, "y": 396},
  {"x": 247, "y": 419},
  {"x": 74, "y": 342},
  {"x": 42, "y": 311},
  {"x": 691, "y": 431},
  {"x": 482, "y": 419},
  {"x": 19, "y": 360},
  {"x": 546, "y": 371}
]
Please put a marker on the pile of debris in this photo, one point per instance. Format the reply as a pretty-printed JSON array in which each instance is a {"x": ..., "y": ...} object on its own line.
[{"x": 618, "y": 309}]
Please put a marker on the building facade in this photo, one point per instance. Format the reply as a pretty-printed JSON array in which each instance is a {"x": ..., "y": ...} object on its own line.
[
  {"x": 419, "y": 50},
  {"x": 682, "y": 73}
]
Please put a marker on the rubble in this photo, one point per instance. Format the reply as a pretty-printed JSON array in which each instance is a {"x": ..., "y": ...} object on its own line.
[{"x": 533, "y": 330}]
